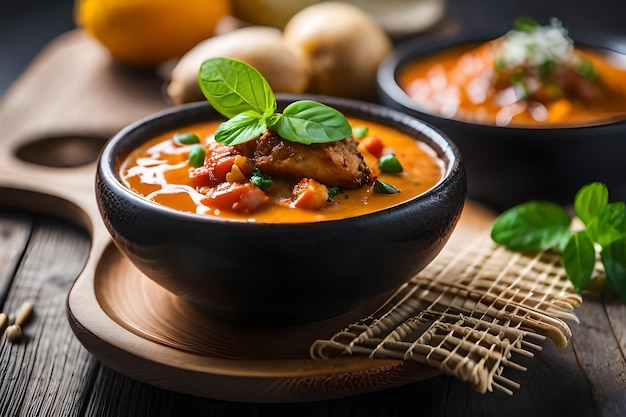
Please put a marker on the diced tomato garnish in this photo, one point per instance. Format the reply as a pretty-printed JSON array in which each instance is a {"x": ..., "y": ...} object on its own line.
[
  {"x": 220, "y": 167},
  {"x": 372, "y": 145},
  {"x": 213, "y": 172},
  {"x": 234, "y": 196},
  {"x": 200, "y": 176},
  {"x": 219, "y": 162}
]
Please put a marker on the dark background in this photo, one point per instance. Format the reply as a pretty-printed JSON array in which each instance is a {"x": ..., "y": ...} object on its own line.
[{"x": 26, "y": 26}]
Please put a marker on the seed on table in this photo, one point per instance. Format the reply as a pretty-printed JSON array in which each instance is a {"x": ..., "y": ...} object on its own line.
[
  {"x": 23, "y": 312},
  {"x": 14, "y": 333},
  {"x": 4, "y": 321}
]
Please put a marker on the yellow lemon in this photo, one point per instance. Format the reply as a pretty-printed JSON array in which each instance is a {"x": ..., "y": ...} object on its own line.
[{"x": 144, "y": 33}]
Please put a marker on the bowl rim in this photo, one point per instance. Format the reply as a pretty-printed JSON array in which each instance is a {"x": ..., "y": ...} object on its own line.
[
  {"x": 413, "y": 47},
  {"x": 444, "y": 147}
]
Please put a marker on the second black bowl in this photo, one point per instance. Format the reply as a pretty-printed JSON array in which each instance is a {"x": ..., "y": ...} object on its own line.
[{"x": 510, "y": 165}]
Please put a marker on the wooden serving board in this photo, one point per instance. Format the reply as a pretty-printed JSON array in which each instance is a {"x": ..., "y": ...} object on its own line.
[{"x": 54, "y": 121}]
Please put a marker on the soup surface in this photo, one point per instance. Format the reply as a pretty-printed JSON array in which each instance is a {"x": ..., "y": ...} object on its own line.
[
  {"x": 465, "y": 83},
  {"x": 159, "y": 171}
]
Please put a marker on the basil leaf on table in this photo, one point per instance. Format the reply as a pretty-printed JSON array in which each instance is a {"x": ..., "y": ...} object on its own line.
[
  {"x": 590, "y": 201},
  {"x": 610, "y": 225},
  {"x": 579, "y": 259},
  {"x": 542, "y": 225},
  {"x": 613, "y": 258},
  {"x": 535, "y": 225}
]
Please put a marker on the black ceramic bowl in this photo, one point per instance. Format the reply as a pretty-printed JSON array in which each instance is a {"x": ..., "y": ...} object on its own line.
[
  {"x": 510, "y": 165},
  {"x": 279, "y": 273}
]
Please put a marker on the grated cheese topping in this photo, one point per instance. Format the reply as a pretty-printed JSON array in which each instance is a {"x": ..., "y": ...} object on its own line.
[{"x": 535, "y": 47}]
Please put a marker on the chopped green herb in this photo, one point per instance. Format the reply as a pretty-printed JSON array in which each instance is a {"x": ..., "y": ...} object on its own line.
[
  {"x": 187, "y": 138},
  {"x": 542, "y": 225},
  {"x": 545, "y": 71},
  {"x": 500, "y": 63},
  {"x": 381, "y": 187},
  {"x": 196, "y": 156},
  {"x": 586, "y": 69},
  {"x": 389, "y": 163},
  {"x": 239, "y": 92},
  {"x": 333, "y": 192},
  {"x": 525, "y": 23},
  {"x": 360, "y": 132},
  {"x": 261, "y": 180},
  {"x": 517, "y": 81}
]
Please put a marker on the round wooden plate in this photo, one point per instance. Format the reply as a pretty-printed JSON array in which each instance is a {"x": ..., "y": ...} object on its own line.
[{"x": 139, "y": 329}]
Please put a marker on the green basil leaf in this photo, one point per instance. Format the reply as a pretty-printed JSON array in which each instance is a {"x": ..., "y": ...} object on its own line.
[
  {"x": 614, "y": 215},
  {"x": 241, "y": 128},
  {"x": 233, "y": 87},
  {"x": 309, "y": 122},
  {"x": 579, "y": 259},
  {"x": 610, "y": 225},
  {"x": 535, "y": 225},
  {"x": 381, "y": 187},
  {"x": 590, "y": 201},
  {"x": 614, "y": 260}
]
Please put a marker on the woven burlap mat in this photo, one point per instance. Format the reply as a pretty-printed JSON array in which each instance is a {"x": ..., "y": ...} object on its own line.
[{"x": 468, "y": 314}]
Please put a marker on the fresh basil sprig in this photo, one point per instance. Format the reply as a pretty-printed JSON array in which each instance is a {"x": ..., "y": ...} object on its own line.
[
  {"x": 542, "y": 225},
  {"x": 240, "y": 93}
]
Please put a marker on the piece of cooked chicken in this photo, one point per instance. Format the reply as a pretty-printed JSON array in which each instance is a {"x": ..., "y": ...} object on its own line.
[{"x": 335, "y": 164}]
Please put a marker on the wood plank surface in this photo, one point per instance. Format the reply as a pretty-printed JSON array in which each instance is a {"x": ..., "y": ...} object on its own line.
[
  {"x": 600, "y": 349},
  {"x": 47, "y": 372}
]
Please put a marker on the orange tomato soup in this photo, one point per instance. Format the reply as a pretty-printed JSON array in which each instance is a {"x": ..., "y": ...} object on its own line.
[
  {"x": 454, "y": 83},
  {"x": 159, "y": 171}
]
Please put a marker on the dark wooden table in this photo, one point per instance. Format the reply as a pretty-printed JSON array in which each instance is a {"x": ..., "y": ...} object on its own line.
[{"x": 49, "y": 373}]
